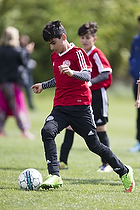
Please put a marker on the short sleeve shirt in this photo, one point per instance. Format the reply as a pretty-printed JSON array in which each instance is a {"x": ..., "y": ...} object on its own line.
[
  {"x": 99, "y": 64},
  {"x": 69, "y": 90}
]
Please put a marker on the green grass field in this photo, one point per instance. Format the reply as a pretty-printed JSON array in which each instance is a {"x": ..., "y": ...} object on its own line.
[{"x": 84, "y": 188}]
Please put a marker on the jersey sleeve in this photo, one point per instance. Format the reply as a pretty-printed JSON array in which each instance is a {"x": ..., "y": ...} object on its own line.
[
  {"x": 83, "y": 60},
  {"x": 102, "y": 62}
]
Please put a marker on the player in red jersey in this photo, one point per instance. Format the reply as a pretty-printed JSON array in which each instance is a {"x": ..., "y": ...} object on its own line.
[
  {"x": 72, "y": 106},
  {"x": 101, "y": 79}
]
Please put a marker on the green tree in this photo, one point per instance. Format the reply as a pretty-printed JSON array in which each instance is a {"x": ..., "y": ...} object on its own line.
[{"x": 117, "y": 22}]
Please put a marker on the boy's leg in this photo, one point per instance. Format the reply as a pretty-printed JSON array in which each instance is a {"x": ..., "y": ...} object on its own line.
[
  {"x": 103, "y": 137},
  {"x": 90, "y": 135},
  {"x": 50, "y": 149},
  {"x": 125, "y": 172},
  {"x": 100, "y": 109},
  {"x": 84, "y": 126},
  {"x": 53, "y": 125},
  {"x": 104, "y": 152},
  {"x": 49, "y": 132},
  {"x": 105, "y": 140},
  {"x": 65, "y": 148}
]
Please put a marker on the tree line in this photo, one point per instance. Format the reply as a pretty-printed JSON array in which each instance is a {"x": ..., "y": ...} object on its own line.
[{"x": 116, "y": 19}]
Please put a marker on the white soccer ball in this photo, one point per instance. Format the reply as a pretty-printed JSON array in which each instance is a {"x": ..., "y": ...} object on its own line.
[{"x": 30, "y": 179}]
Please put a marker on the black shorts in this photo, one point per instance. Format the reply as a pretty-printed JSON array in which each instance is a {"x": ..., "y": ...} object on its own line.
[
  {"x": 100, "y": 106},
  {"x": 80, "y": 118}
]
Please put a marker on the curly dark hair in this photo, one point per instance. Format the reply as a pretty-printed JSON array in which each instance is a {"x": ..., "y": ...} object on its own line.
[
  {"x": 88, "y": 28},
  {"x": 53, "y": 29}
]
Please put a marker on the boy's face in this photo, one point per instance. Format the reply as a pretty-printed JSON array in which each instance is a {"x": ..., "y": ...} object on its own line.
[
  {"x": 87, "y": 41},
  {"x": 57, "y": 45}
]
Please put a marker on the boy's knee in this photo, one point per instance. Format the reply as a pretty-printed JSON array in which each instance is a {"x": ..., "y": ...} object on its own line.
[
  {"x": 93, "y": 143},
  {"x": 49, "y": 131}
]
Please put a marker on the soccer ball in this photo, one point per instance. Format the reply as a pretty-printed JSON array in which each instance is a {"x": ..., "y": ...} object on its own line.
[{"x": 30, "y": 179}]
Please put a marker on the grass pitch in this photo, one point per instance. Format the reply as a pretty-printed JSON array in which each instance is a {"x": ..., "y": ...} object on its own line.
[{"x": 84, "y": 188}]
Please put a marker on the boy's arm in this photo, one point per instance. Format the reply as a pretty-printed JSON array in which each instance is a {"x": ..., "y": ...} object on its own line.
[
  {"x": 137, "y": 103},
  {"x": 102, "y": 76},
  {"x": 49, "y": 84},
  {"x": 37, "y": 88},
  {"x": 84, "y": 75}
]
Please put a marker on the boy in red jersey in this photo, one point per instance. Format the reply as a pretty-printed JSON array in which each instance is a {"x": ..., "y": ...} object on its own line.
[
  {"x": 101, "y": 79},
  {"x": 72, "y": 106}
]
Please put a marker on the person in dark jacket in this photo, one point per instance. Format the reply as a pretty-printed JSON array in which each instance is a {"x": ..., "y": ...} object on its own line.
[
  {"x": 12, "y": 100},
  {"x": 134, "y": 63}
]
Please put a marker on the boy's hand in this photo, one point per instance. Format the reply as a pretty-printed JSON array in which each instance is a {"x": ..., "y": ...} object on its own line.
[
  {"x": 137, "y": 104},
  {"x": 64, "y": 69},
  {"x": 89, "y": 84},
  {"x": 138, "y": 81},
  {"x": 37, "y": 88}
]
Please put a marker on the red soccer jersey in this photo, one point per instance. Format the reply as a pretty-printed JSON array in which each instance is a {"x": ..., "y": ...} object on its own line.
[
  {"x": 99, "y": 64},
  {"x": 69, "y": 90}
]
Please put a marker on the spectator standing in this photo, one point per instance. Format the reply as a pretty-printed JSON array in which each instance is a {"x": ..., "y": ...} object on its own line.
[
  {"x": 12, "y": 100},
  {"x": 134, "y": 63}
]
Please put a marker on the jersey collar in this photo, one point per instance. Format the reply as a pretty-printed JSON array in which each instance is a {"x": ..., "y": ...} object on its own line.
[
  {"x": 89, "y": 52},
  {"x": 72, "y": 45}
]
